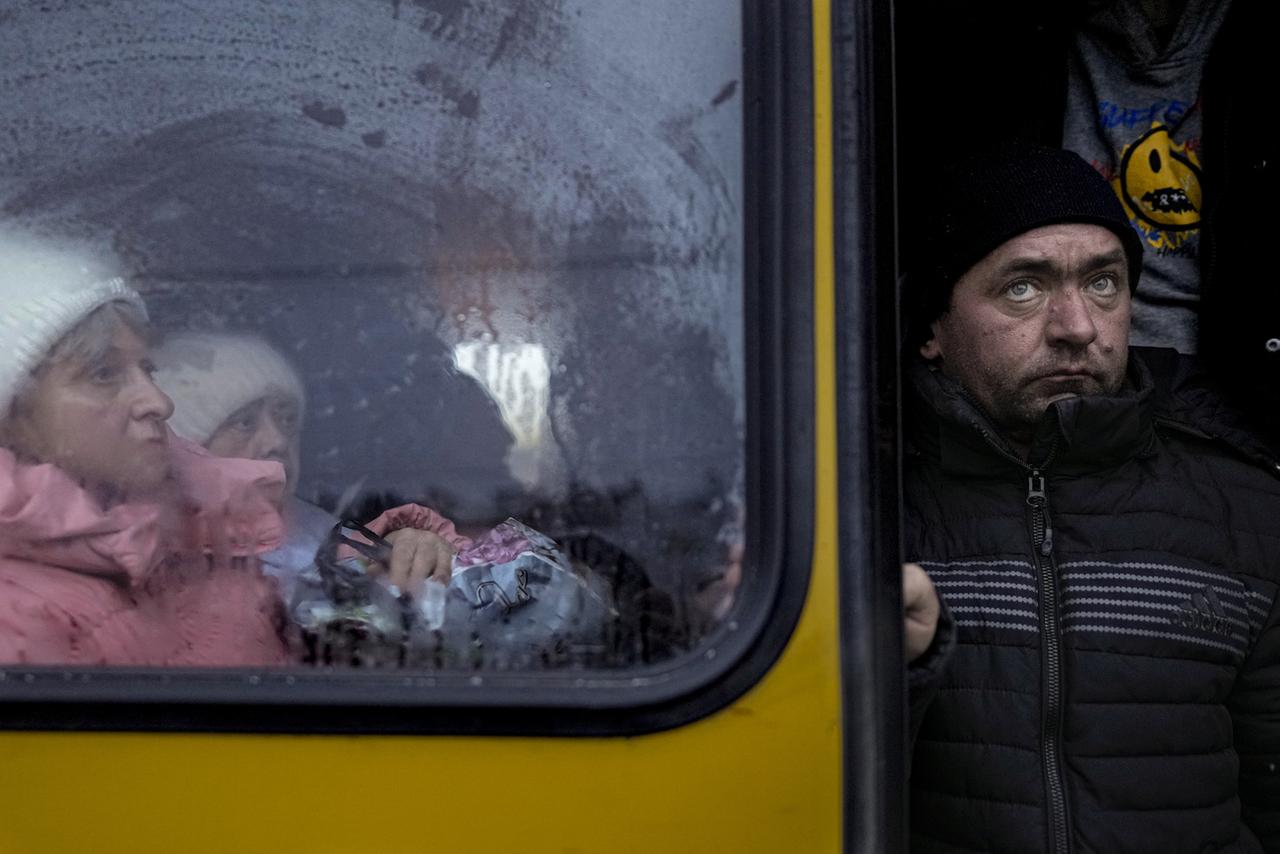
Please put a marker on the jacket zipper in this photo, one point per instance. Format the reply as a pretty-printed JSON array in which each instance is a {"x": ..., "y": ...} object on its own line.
[
  {"x": 1042, "y": 559},
  {"x": 1051, "y": 727}
]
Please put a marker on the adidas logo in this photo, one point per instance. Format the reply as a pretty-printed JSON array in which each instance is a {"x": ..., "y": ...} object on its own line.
[{"x": 1202, "y": 611}]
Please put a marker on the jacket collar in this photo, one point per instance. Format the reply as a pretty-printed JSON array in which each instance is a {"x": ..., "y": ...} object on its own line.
[
  {"x": 1074, "y": 436},
  {"x": 46, "y": 517}
]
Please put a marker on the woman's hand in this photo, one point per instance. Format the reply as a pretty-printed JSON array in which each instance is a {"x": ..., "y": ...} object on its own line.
[{"x": 416, "y": 555}]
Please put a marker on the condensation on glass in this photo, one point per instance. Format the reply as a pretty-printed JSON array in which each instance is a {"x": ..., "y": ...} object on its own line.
[{"x": 482, "y": 258}]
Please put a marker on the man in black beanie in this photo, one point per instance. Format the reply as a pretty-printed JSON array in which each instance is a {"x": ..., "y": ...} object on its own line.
[
  {"x": 1106, "y": 676},
  {"x": 1027, "y": 296}
]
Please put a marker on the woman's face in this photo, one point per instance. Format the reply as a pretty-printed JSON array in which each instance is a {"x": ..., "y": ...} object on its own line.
[
  {"x": 101, "y": 421},
  {"x": 266, "y": 429}
]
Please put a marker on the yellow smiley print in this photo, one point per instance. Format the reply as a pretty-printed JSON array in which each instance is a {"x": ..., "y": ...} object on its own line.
[{"x": 1160, "y": 181}]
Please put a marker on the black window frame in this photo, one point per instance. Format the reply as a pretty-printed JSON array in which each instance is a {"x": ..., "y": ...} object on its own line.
[
  {"x": 779, "y": 463},
  {"x": 868, "y": 428}
]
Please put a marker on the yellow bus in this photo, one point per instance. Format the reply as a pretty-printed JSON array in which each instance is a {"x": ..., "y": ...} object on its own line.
[{"x": 624, "y": 272}]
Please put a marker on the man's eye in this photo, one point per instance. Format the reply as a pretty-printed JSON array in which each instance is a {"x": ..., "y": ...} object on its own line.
[
  {"x": 1105, "y": 286},
  {"x": 1021, "y": 291}
]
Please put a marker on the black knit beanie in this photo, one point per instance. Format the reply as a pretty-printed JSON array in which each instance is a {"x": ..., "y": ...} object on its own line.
[{"x": 986, "y": 200}]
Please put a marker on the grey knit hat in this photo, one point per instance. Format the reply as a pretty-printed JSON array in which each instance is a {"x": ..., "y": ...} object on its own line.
[
  {"x": 47, "y": 287},
  {"x": 210, "y": 375}
]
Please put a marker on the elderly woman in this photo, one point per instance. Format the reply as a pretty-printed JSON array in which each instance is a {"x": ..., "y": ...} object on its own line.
[
  {"x": 119, "y": 543},
  {"x": 238, "y": 396}
]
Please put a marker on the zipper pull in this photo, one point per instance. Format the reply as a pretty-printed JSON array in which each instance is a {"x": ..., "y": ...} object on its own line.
[
  {"x": 1037, "y": 498},
  {"x": 1035, "y": 489}
]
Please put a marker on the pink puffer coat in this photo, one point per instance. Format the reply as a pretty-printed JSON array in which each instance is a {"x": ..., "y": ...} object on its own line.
[{"x": 137, "y": 584}]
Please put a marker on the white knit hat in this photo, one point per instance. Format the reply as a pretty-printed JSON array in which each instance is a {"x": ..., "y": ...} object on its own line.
[
  {"x": 210, "y": 375},
  {"x": 47, "y": 286}
]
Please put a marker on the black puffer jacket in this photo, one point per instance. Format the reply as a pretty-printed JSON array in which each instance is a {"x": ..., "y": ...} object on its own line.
[{"x": 1115, "y": 685}]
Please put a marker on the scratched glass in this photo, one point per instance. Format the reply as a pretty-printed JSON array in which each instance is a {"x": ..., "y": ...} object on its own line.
[{"x": 480, "y": 258}]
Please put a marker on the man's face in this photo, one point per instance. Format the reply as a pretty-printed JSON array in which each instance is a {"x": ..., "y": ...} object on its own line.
[
  {"x": 1045, "y": 316},
  {"x": 266, "y": 429}
]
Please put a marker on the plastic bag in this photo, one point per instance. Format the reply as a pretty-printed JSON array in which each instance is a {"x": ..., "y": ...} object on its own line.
[{"x": 513, "y": 602}]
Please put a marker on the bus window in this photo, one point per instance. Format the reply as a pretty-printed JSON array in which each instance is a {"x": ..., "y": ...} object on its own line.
[{"x": 464, "y": 281}]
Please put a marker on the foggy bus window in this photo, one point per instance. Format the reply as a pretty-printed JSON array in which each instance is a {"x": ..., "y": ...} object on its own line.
[{"x": 465, "y": 269}]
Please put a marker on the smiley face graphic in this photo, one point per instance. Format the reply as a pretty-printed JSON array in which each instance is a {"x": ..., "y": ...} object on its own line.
[{"x": 1160, "y": 181}]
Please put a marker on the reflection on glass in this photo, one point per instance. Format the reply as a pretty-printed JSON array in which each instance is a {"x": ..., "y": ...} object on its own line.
[
  {"x": 465, "y": 286},
  {"x": 518, "y": 378}
]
